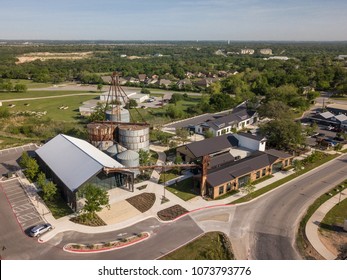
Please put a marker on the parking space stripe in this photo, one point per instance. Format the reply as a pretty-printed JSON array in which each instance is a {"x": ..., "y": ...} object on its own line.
[{"x": 22, "y": 208}]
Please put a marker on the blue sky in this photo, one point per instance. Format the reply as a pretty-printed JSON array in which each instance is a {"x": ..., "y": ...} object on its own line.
[{"x": 173, "y": 19}]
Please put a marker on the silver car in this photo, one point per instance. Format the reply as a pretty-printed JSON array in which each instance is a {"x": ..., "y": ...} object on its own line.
[{"x": 40, "y": 229}]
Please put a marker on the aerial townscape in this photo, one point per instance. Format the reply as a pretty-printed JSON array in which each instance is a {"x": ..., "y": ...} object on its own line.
[{"x": 143, "y": 149}]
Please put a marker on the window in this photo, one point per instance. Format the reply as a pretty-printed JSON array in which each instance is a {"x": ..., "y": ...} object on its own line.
[
  {"x": 244, "y": 180},
  {"x": 257, "y": 175},
  {"x": 221, "y": 190},
  {"x": 264, "y": 172},
  {"x": 228, "y": 187}
]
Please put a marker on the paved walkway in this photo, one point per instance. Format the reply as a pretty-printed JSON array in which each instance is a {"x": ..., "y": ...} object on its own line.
[
  {"x": 119, "y": 195},
  {"x": 313, "y": 223}
]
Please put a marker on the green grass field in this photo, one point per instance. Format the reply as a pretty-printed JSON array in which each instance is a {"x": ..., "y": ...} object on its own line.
[
  {"x": 51, "y": 105},
  {"x": 210, "y": 246},
  {"x": 30, "y": 84},
  {"x": 42, "y": 93}
]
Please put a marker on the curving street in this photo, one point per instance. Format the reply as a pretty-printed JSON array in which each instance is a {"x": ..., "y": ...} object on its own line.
[{"x": 261, "y": 229}]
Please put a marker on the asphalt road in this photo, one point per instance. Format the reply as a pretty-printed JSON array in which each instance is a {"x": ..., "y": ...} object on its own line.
[
  {"x": 271, "y": 222},
  {"x": 265, "y": 228},
  {"x": 165, "y": 237},
  {"x": 262, "y": 229}
]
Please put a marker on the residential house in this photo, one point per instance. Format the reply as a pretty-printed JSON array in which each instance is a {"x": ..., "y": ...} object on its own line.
[
  {"x": 181, "y": 84},
  {"x": 337, "y": 108},
  {"x": 206, "y": 82},
  {"x": 239, "y": 118},
  {"x": 266, "y": 51},
  {"x": 164, "y": 83},
  {"x": 247, "y": 51},
  {"x": 142, "y": 78}
]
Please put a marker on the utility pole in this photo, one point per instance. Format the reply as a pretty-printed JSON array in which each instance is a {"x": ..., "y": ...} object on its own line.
[{"x": 164, "y": 179}]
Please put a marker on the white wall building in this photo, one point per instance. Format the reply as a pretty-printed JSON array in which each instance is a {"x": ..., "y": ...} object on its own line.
[{"x": 250, "y": 141}]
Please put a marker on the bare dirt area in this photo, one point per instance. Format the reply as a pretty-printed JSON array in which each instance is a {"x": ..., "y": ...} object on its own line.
[
  {"x": 142, "y": 202},
  {"x": 172, "y": 213},
  {"x": 29, "y": 57},
  {"x": 333, "y": 240}
]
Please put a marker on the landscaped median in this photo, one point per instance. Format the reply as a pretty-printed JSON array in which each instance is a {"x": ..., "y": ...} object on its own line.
[{"x": 106, "y": 246}]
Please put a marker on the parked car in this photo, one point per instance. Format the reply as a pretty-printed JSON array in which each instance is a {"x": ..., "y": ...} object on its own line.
[
  {"x": 318, "y": 135},
  {"x": 40, "y": 229}
]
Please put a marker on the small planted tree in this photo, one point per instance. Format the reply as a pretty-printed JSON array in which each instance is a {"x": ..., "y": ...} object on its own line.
[
  {"x": 95, "y": 199},
  {"x": 41, "y": 180},
  {"x": 49, "y": 191},
  {"x": 248, "y": 189},
  {"x": 30, "y": 166},
  {"x": 99, "y": 87}
]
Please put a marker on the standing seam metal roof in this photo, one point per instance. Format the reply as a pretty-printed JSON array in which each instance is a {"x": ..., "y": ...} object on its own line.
[{"x": 74, "y": 160}]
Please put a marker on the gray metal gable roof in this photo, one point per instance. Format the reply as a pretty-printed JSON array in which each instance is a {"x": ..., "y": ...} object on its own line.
[
  {"x": 74, "y": 160},
  {"x": 212, "y": 145},
  {"x": 240, "y": 168}
]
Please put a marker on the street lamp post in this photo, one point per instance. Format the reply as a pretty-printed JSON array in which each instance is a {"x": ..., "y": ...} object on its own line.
[
  {"x": 164, "y": 179},
  {"x": 339, "y": 197}
]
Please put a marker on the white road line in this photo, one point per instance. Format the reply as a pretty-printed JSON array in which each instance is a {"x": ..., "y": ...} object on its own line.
[
  {"x": 14, "y": 192},
  {"x": 15, "y": 203}
]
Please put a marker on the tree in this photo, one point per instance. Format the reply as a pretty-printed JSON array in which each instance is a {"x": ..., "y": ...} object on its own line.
[
  {"x": 174, "y": 112},
  {"x": 175, "y": 98},
  {"x": 221, "y": 101},
  {"x": 49, "y": 191},
  {"x": 30, "y": 166},
  {"x": 215, "y": 87},
  {"x": 145, "y": 91},
  {"x": 275, "y": 109},
  {"x": 99, "y": 87},
  {"x": 297, "y": 165},
  {"x": 178, "y": 160},
  {"x": 41, "y": 180},
  {"x": 144, "y": 157},
  {"x": 283, "y": 134},
  {"x": 248, "y": 189},
  {"x": 95, "y": 199},
  {"x": 208, "y": 134},
  {"x": 20, "y": 87},
  {"x": 182, "y": 134},
  {"x": 99, "y": 113},
  {"x": 131, "y": 104}
]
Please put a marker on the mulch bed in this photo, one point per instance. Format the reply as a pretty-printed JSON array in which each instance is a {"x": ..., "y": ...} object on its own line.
[
  {"x": 83, "y": 219},
  {"x": 172, "y": 212},
  {"x": 142, "y": 202}
]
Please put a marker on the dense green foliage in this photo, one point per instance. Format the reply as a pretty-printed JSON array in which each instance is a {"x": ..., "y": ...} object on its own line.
[
  {"x": 283, "y": 87},
  {"x": 30, "y": 166},
  {"x": 95, "y": 198},
  {"x": 310, "y": 64}
]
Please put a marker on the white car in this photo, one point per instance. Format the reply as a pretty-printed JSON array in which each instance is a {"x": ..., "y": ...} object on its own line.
[{"x": 40, "y": 229}]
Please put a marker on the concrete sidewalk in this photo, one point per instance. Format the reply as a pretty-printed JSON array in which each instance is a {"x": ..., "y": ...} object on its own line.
[
  {"x": 151, "y": 186},
  {"x": 313, "y": 223}
]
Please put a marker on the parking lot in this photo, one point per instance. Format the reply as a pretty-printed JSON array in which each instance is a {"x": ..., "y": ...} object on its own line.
[
  {"x": 9, "y": 158},
  {"x": 22, "y": 207}
]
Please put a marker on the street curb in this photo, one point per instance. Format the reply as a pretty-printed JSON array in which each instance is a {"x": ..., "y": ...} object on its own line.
[
  {"x": 82, "y": 251},
  {"x": 290, "y": 181}
]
